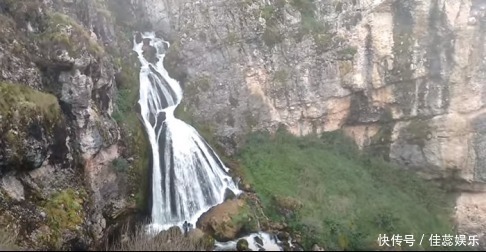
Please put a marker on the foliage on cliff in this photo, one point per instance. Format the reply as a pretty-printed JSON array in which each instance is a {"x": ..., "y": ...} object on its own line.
[
  {"x": 335, "y": 196},
  {"x": 26, "y": 116},
  {"x": 64, "y": 212}
]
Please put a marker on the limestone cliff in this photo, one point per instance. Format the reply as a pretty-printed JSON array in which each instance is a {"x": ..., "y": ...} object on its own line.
[{"x": 405, "y": 79}]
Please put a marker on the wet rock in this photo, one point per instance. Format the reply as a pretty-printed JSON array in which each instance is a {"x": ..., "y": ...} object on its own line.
[
  {"x": 229, "y": 194},
  {"x": 77, "y": 244},
  {"x": 258, "y": 240},
  {"x": 283, "y": 236},
  {"x": 242, "y": 245},
  {"x": 247, "y": 188},
  {"x": 138, "y": 37},
  {"x": 150, "y": 53}
]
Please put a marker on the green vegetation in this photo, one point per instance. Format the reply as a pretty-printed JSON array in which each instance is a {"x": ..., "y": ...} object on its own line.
[
  {"x": 132, "y": 131},
  {"x": 347, "y": 53},
  {"x": 120, "y": 165},
  {"x": 306, "y": 7},
  {"x": 102, "y": 9},
  {"x": 281, "y": 77},
  {"x": 310, "y": 25},
  {"x": 242, "y": 245},
  {"x": 23, "y": 108},
  {"x": 272, "y": 15},
  {"x": 245, "y": 219},
  {"x": 28, "y": 103},
  {"x": 64, "y": 212},
  {"x": 418, "y": 131},
  {"x": 337, "y": 197},
  {"x": 380, "y": 142},
  {"x": 23, "y": 11},
  {"x": 57, "y": 35}
]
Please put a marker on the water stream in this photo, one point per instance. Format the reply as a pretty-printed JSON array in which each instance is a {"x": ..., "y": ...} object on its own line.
[{"x": 188, "y": 177}]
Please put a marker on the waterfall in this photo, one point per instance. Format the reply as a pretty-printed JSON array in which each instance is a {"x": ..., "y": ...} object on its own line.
[{"x": 188, "y": 177}]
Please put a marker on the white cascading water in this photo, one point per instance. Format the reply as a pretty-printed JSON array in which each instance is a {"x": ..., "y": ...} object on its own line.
[{"x": 188, "y": 177}]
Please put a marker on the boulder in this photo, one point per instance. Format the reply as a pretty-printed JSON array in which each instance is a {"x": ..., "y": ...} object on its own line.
[
  {"x": 242, "y": 245},
  {"x": 229, "y": 195},
  {"x": 228, "y": 221},
  {"x": 204, "y": 240}
]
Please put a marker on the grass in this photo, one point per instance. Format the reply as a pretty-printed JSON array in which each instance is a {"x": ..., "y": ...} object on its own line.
[
  {"x": 28, "y": 102},
  {"x": 345, "y": 199},
  {"x": 22, "y": 109},
  {"x": 64, "y": 212},
  {"x": 56, "y": 36},
  {"x": 137, "y": 240}
]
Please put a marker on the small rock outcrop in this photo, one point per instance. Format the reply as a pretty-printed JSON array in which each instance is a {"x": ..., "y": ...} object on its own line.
[{"x": 228, "y": 221}]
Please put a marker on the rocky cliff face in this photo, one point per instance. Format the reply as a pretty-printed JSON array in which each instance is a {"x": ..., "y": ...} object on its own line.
[
  {"x": 62, "y": 66},
  {"x": 405, "y": 79}
]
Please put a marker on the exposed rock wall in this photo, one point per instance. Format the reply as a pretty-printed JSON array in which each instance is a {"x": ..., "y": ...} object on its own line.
[
  {"x": 61, "y": 65},
  {"x": 405, "y": 77}
]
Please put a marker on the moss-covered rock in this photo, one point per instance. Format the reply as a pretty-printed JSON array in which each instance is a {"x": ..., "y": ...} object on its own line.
[
  {"x": 28, "y": 124},
  {"x": 64, "y": 33},
  {"x": 64, "y": 213},
  {"x": 242, "y": 245},
  {"x": 229, "y": 220}
]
